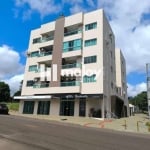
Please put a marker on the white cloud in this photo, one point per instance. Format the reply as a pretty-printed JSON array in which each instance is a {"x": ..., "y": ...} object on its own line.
[
  {"x": 131, "y": 32},
  {"x": 75, "y": 6},
  {"x": 43, "y": 7},
  {"x": 9, "y": 62},
  {"x": 133, "y": 90},
  {"x": 14, "y": 82}
]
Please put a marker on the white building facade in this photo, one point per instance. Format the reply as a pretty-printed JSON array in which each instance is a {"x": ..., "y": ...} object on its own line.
[{"x": 73, "y": 69}]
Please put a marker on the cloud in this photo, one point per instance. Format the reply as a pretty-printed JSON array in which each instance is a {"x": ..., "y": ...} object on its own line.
[
  {"x": 133, "y": 90},
  {"x": 14, "y": 82},
  {"x": 43, "y": 7},
  {"x": 9, "y": 62},
  {"x": 132, "y": 33}
]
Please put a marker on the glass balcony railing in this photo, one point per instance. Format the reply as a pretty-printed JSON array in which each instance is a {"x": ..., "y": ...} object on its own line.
[
  {"x": 75, "y": 65},
  {"x": 70, "y": 83},
  {"x": 73, "y": 32},
  {"x": 72, "y": 49},
  {"x": 45, "y": 39},
  {"x": 37, "y": 70},
  {"x": 45, "y": 53},
  {"x": 41, "y": 85}
]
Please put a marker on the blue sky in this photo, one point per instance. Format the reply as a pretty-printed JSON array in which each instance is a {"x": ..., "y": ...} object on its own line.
[{"x": 129, "y": 20}]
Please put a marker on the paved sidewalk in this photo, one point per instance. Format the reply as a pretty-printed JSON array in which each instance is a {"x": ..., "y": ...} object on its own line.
[
  {"x": 135, "y": 123},
  {"x": 124, "y": 124}
]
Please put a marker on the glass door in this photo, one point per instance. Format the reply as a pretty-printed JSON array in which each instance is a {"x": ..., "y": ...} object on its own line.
[
  {"x": 67, "y": 107},
  {"x": 28, "y": 107},
  {"x": 82, "y": 107},
  {"x": 44, "y": 107}
]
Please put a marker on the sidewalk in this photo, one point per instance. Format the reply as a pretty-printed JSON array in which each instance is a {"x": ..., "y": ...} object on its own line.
[
  {"x": 131, "y": 124},
  {"x": 124, "y": 124}
]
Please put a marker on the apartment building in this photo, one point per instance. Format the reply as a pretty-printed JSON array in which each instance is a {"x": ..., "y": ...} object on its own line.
[{"x": 73, "y": 69}]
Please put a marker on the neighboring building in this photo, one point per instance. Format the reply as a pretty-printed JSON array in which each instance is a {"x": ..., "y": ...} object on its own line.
[
  {"x": 79, "y": 43},
  {"x": 132, "y": 109}
]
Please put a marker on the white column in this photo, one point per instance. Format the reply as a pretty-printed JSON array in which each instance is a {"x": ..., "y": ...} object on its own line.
[
  {"x": 21, "y": 105},
  {"x": 35, "y": 107},
  {"x": 55, "y": 106},
  {"x": 87, "y": 108},
  {"x": 76, "y": 107}
]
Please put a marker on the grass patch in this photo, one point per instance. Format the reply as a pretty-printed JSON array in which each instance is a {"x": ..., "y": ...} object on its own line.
[{"x": 13, "y": 106}]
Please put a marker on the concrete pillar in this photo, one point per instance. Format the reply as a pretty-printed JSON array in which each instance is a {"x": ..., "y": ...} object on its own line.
[
  {"x": 102, "y": 108},
  {"x": 55, "y": 107},
  {"x": 21, "y": 105},
  {"x": 87, "y": 108},
  {"x": 76, "y": 107},
  {"x": 35, "y": 107}
]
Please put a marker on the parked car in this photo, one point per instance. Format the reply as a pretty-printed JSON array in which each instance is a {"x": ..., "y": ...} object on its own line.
[{"x": 3, "y": 109}]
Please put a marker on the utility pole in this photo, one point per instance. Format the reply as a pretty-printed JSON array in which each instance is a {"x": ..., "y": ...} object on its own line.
[{"x": 148, "y": 86}]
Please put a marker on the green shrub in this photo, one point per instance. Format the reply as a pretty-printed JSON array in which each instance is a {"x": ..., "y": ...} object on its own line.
[{"x": 148, "y": 126}]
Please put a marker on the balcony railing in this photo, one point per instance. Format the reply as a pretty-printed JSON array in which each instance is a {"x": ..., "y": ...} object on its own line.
[
  {"x": 73, "y": 32},
  {"x": 41, "y": 85},
  {"x": 70, "y": 83},
  {"x": 37, "y": 70},
  {"x": 45, "y": 53},
  {"x": 75, "y": 65},
  {"x": 72, "y": 49},
  {"x": 45, "y": 39}
]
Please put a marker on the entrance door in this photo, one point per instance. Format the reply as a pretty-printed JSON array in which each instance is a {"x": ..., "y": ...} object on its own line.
[
  {"x": 28, "y": 107},
  {"x": 43, "y": 107},
  {"x": 67, "y": 107},
  {"x": 82, "y": 107}
]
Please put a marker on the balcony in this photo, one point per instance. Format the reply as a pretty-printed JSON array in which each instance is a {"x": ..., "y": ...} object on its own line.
[
  {"x": 45, "y": 39},
  {"x": 41, "y": 85},
  {"x": 72, "y": 49},
  {"x": 74, "y": 65},
  {"x": 45, "y": 53},
  {"x": 72, "y": 32},
  {"x": 70, "y": 83}
]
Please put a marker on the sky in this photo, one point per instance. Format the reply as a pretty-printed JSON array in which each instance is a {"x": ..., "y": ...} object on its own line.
[{"x": 129, "y": 19}]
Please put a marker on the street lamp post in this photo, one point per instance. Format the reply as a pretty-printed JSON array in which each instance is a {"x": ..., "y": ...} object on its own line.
[{"x": 148, "y": 86}]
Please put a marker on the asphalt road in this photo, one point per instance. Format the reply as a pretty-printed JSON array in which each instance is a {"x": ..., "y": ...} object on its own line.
[{"x": 19, "y": 133}]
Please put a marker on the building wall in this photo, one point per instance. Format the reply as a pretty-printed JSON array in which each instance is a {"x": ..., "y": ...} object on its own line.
[
  {"x": 121, "y": 77},
  {"x": 95, "y": 87},
  {"x": 109, "y": 64}
]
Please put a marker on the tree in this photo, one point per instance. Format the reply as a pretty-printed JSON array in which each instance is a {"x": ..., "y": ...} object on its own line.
[
  {"x": 140, "y": 100},
  {"x": 4, "y": 92},
  {"x": 18, "y": 93}
]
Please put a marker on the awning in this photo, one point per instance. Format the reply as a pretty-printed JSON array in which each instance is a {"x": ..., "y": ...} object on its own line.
[{"x": 34, "y": 97}]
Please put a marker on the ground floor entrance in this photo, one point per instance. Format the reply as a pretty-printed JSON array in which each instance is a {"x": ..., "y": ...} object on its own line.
[
  {"x": 63, "y": 106},
  {"x": 67, "y": 107}
]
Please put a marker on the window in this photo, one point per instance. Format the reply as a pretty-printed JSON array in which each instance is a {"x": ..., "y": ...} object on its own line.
[
  {"x": 111, "y": 68},
  {"x": 91, "y": 26},
  {"x": 87, "y": 79},
  {"x": 34, "y": 54},
  {"x": 36, "y": 40},
  {"x": 90, "y": 59},
  {"x": 90, "y": 42},
  {"x": 30, "y": 83},
  {"x": 33, "y": 68},
  {"x": 72, "y": 45}
]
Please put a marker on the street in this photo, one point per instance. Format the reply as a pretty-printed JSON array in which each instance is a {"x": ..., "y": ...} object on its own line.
[{"x": 20, "y": 133}]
